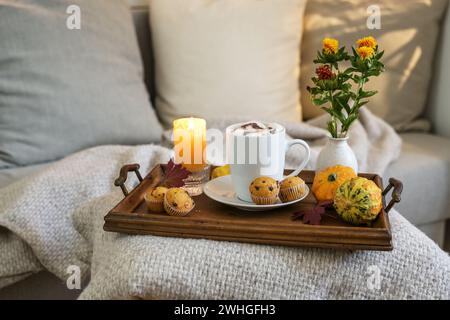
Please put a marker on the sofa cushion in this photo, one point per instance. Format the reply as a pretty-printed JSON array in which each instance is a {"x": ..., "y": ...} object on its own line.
[
  {"x": 63, "y": 90},
  {"x": 214, "y": 58},
  {"x": 435, "y": 231},
  {"x": 408, "y": 34},
  {"x": 424, "y": 169},
  {"x": 439, "y": 109}
]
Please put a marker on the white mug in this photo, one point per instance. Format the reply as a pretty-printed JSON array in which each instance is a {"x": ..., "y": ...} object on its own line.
[{"x": 252, "y": 156}]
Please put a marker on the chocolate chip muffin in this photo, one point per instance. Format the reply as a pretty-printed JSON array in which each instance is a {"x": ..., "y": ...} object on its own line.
[
  {"x": 292, "y": 188},
  {"x": 264, "y": 190},
  {"x": 177, "y": 202},
  {"x": 154, "y": 198}
]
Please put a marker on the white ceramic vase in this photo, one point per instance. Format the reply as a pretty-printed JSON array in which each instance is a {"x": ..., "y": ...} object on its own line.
[{"x": 337, "y": 152}]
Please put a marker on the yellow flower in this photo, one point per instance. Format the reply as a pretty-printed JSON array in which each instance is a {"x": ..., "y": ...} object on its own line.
[
  {"x": 365, "y": 52},
  {"x": 330, "y": 46},
  {"x": 370, "y": 42}
]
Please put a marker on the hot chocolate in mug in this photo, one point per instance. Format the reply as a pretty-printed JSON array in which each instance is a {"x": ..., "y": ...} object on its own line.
[{"x": 257, "y": 149}]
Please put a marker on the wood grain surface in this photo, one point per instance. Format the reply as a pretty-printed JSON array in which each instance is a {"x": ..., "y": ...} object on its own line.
[{"x": 216, "y": 221}]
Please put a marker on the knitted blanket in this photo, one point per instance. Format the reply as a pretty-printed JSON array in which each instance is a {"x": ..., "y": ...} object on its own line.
[
  {"x": 165, "y": 268},
  {"x": 53, "y": 220}
]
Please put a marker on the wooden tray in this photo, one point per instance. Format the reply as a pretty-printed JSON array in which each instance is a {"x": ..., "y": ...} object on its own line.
[{"x": 213, "y": 220}]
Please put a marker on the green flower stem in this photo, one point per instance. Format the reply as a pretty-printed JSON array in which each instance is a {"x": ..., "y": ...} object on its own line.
[
  {"x": 354, "y": 110},
  {"x": 338, "y": 90}
]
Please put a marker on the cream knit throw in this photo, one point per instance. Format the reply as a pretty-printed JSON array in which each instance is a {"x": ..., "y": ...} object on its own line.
[
  {"x": 55, "y": 220},
  {"x": 38, "y": 209},
  {"x": 166, "y": 268}
]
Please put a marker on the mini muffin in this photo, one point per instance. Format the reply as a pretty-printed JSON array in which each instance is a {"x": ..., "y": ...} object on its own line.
[
  {"x": 177, "y": 202},
  {"x": 292, "y": 188},
  {"x": 264, "y": 190},
  {"x": 154, "y": 198}
]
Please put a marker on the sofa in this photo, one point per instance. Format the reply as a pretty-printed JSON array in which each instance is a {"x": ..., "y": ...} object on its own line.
[{"x": 423, "y": 165}]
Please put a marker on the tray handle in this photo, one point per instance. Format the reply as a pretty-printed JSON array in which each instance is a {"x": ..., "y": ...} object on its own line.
[
  {"x": 123, "y": 175},
  {"x": 396, "y": 193}
]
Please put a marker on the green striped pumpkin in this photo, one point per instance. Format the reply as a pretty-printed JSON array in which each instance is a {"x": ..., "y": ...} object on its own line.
[{"x": 358, "y": 201}]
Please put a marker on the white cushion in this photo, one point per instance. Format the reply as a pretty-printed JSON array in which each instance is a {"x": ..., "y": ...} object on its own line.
[{"x": 214, "y": 58}]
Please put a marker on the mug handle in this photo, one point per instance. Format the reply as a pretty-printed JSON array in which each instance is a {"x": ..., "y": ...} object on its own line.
[{"x": 305, "y": 160}]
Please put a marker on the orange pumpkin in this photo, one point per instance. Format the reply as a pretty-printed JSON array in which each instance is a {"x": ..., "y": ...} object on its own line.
[{"x": 326, "y": 182}]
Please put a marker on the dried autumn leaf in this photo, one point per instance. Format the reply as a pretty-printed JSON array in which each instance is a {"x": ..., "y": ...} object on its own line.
[
  {"x": 310, "y": 216},
  {"x": 313, "y": 216},
  {"x": 174, "y": 175}
]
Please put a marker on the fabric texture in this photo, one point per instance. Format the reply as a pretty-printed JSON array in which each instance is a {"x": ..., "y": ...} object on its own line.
[
  {"x": 65, "y": 90},
  {"x": 125, "y": 266},
  {"x": 43, "y": 206},
  {"x": 424, "y": 169},
  {"x": 17, "y": 258},
  {"x": 10, "y": 175},
  {"x": 202, "y": 269},
  {"x": 227, "y": 57},
  {"x": 408, "y": 34}
]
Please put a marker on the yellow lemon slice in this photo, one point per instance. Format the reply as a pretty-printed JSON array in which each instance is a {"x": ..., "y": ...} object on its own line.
[{"x": 220, "y": 171}]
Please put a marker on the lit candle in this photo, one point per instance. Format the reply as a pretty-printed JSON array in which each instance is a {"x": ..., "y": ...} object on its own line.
[{"x": 189, "y": 138}]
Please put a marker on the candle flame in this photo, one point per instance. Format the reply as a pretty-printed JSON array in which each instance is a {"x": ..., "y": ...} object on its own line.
[
  {"x": 191, "y": 123},
  {"x": 189, "y": 137}
]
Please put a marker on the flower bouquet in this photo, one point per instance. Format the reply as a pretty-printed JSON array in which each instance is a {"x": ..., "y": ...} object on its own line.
[{"x": 340, "y": 91}]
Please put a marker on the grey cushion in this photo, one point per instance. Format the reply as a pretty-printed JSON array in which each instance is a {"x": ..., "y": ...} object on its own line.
[
  {"x": 424, "y": 168},
  {"x": 65, "y": 90}
]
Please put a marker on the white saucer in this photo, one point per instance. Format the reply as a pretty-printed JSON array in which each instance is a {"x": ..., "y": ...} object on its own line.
[{"x": 221, "y": 190}]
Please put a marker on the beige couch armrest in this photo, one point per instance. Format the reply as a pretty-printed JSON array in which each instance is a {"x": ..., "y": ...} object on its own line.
[{"x": 439, "y": 111}]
